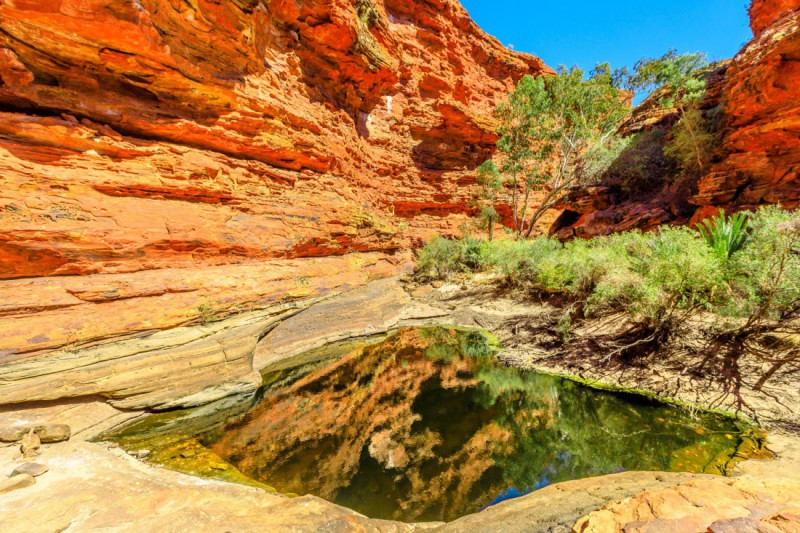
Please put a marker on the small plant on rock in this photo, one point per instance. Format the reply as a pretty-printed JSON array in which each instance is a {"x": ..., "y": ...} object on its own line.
[{"x": 491, "y": 184}]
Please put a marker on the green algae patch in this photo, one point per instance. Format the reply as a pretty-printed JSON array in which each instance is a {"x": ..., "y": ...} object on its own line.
[
  {"x": 187, "y": 455},
  {"x": 174, "y": 441}
]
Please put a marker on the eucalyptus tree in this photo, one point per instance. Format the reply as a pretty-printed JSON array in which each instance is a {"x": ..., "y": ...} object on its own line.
[
  {"x": 550, "y": 128},
  {"x": 677, "y": 81}
]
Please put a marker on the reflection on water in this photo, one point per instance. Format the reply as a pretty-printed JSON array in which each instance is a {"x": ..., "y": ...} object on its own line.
[{"x": 425, "y": 425}]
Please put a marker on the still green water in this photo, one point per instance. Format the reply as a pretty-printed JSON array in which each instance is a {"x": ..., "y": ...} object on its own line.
[{"x": 426, "y": 425}]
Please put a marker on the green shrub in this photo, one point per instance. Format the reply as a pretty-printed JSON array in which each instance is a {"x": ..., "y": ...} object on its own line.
[
  {"x": 658, "y": 280},
  {"x": 642, "y": 166},
  {"x": 601, "y": 158},
  {"x": 692, "y": 142},
  {"x": 442, "y": 258},
  {"x": 438, "y": 259},
  {"x": 474, "y": 254},
  {"x": 519, "y": 261},
  {"x": 679, "y": 275},
  {"x": 765, "y": 274}
]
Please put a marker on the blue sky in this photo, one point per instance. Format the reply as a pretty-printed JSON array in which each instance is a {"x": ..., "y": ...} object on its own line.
[{"x": 585, "y": 32}]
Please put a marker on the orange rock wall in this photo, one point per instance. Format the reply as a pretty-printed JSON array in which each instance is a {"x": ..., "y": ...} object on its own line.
[
  {"x": 761, "y": 96},
  {"x": 143, "y": 135},
  {"x": 764, "y": 13}
]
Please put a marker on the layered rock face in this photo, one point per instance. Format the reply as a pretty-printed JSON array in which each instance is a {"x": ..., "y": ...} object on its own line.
[
  {"x": 764, "y": 13},
  {"x": 158, "y": 157},
  {"x": 762, "y": 107},
  {"x": 161, "y": 134},
  {"x": 758, "y": 160}
]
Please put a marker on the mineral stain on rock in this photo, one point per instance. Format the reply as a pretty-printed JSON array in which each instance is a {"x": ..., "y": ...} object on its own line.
[{"x": 425, "y": 425}]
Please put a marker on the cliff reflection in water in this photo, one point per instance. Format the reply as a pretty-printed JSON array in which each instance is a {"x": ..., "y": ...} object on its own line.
[{"x": 426, "y": 425}]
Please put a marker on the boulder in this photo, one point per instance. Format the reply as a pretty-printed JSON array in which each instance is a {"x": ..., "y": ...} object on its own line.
[
  {"x": 30, "y": 445},
  {"x": 50, "y": 433},
  {"x": 31, "y": 469},
  {"x": 47, "y": 433}
]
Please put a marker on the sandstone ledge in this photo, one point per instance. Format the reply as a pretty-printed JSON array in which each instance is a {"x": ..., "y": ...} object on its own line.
[{"x": 159, "y": 339}]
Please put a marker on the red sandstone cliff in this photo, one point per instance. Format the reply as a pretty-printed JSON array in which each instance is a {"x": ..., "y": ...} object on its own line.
[
  {"x": 761, "y": 96},
  {"x": 759, "y": 154},
  {"x": 145, "y": 143}
]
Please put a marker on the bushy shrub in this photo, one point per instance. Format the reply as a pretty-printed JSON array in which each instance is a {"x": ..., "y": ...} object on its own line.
[
  {"x": 474, "y": 254},
  {"x": 680, "y": 275},
  {"x": 601, "y": 158},
  {"x": 692, "y": 142},
  {"x": 442, "y": 258},
  {"x": 658, "y": 280},
  {"x": 519, "y": 261},
  {"x": 642, "y": 166},
  {"x": 765, "y": 274},
  {"x": 438, "y": 259}
]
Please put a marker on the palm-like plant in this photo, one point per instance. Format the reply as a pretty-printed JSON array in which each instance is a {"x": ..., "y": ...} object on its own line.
[{"x": 726, "y": 235}]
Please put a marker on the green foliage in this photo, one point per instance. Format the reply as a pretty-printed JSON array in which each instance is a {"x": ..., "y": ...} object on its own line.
[
  {"x": 441, "y": 258},
  {"x": 743, "y": 268},
  {"x": 655, "y": 157},
  {"x": 725, "y": 235},
  {"x": 682, "y": 75},
  {"x": 207, "y": 314},
  {"x": 474, "y": 254},
  {"x": 641, "y": 275},
  {"x": 765, "y": 274},
  {"x": 599, "y": 159},
  {"x": 692, "y": 141},
  {"x": 679, "y": 82},
  {"x": 678, "y": 274},
  {"x": 519, "y": 261},
  {"x": 642, "y": 166},
  {"x": 551, "y": 133},
  {"x": 438, "y": 259},
  {"x": 491, "y": 183}
]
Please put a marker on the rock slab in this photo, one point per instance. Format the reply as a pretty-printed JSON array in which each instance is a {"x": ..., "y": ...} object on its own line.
[{"x": 31, "y": 469}]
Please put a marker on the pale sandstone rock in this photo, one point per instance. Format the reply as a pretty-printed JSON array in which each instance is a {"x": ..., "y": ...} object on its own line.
[
  {"x": 13, "y": 434},
  {"x": 90, "y": 488},
  {"x": 369, "y": 310},
  {"x": 182, "y": 366},
  {"x": 50, "y": 433},
  {"x": 47, "y": 433},
  {"x": 715, "y": 504},
  {"x": 30, "y": 445},
  {"x": 187, "y": 365},
  {"x": 19, "y": 481},
  {"x": 31, "y": 469}
]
